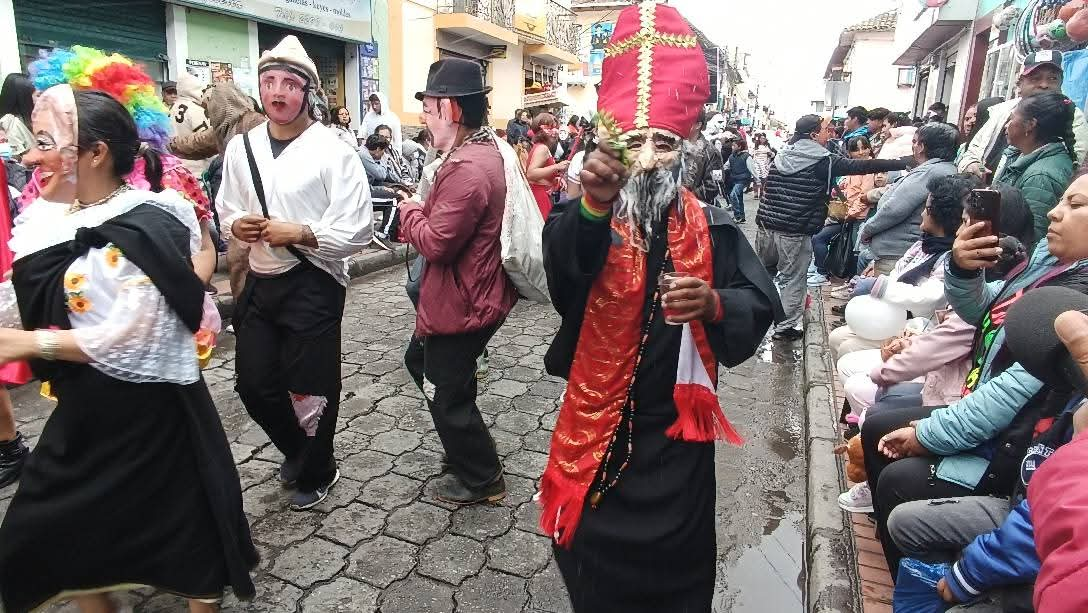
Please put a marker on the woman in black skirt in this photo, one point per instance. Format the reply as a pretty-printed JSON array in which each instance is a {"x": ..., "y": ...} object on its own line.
[{"x": 132, "y": 481}]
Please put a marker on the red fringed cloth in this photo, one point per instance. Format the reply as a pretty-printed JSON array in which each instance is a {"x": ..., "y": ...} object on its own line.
[{"x": 606, "y": 360}]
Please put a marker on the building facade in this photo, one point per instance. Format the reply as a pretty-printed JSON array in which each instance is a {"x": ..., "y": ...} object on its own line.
[{"x": 860, "y": 71}]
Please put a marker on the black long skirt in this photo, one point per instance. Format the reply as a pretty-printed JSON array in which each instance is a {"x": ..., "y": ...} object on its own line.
[
  {"x": 129, "y": 484},
  {"x": 650, "y": 545}
]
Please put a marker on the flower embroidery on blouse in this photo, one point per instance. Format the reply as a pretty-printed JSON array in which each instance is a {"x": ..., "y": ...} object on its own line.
[
  {"x": 74, "y": 282},
  {"x": 78, "y": 303},
  {"x": 113, "y": 256}
]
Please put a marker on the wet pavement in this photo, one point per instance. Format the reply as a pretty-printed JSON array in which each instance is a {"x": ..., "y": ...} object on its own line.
[{"x": 381, "y": 543}]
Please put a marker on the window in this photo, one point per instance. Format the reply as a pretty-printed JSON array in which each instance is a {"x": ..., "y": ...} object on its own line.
[{"x": 906, "y": 77}]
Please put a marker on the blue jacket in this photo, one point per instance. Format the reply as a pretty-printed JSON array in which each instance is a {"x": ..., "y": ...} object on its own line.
[
  {"x": 1006, "y": 555},
  {"x": 963, "y": 431}
]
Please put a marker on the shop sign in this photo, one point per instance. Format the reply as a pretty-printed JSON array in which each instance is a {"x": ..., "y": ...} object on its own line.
[
  {"x": 210, "y": 72},
  {"x": 344, "y": 19},
  {"x": 531, "y": 18}
]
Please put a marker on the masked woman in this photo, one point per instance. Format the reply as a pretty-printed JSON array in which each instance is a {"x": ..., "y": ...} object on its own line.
[
  {"x": 132, "y": 481},
  {"x": 129, "y": 84}
]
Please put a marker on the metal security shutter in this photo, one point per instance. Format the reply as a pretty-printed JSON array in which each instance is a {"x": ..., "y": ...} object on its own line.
[{"x": 136, "y": 28}]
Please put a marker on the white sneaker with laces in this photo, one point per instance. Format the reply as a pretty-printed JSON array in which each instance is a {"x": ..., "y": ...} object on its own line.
[{"x": 857, "y": 499}]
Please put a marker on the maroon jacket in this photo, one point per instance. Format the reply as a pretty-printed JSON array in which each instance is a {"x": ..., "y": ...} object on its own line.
[
  {"x": 464, "y": 286},
  {"x": 1058, "y": 500}
]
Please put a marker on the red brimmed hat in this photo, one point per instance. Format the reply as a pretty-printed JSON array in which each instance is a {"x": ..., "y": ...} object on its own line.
[{"x": 654, "y": 75}]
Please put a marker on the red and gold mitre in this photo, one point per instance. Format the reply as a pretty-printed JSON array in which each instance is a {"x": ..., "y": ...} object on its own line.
[{"x": 655, "y": 75}]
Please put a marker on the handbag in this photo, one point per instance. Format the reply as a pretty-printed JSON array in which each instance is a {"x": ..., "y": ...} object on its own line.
[{"x": 842, "y": 258}]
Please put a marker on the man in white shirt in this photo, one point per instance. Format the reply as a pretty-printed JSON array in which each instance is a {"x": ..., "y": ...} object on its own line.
[
  {"x": 1042, "y": 72},
  {"x": 317, "y": 212}
]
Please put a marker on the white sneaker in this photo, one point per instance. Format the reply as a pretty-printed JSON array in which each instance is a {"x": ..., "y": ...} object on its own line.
[
  {"x": 842, "y": 292},
  {"x": 857, "y": 499}
]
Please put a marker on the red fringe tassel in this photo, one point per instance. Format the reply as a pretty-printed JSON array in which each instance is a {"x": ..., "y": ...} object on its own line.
[
  {"x": 561, "y": 504},
  {"x": 699, "y": 417}
]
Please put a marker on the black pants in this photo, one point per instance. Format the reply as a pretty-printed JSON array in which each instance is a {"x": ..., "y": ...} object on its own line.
[
  {"x": 288, "y": 330},
  {"x": 448, "y": 364},
  {"x": 893, "y": 482}
]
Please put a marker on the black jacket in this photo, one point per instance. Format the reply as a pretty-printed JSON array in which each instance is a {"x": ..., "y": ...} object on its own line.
[{"x": 796, "y": 202}]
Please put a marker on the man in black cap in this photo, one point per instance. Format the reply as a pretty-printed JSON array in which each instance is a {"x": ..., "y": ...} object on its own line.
[
  {"x": 794, "y": 208},
  {"x": 1042, "y": 73},
  {"x": 465, "y": 294},
  {"x": 169, "y": 94}
]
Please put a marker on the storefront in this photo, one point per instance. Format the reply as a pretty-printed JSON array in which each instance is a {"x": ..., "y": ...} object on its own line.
[
  {"x": 139, "y": 31},
  {"x": 223, "y": 39}
]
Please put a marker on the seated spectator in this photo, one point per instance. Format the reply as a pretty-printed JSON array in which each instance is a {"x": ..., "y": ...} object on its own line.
[
  {"x": 925, "y": 453},
  {"x": 928, "y": 369},
  {"x": 850, "y": 205},
  {"x": 1040, "y": 157},
  {"x": 1058, "y": 499},
  {"x": 415, "y": 153},
  {"x": 399, "y": 171},
  {"x": 916, "y": 282},
  {"x": 988, "y": 540},
  {"x": 896, "y": 225},
  {"x": 384, "y": 183}
]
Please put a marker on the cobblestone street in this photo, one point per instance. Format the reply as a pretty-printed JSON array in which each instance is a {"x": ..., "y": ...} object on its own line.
[{"x": 380, "y": 542}]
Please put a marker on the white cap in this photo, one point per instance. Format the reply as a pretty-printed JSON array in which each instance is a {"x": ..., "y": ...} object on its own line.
[{"x": 291, "y": 52}]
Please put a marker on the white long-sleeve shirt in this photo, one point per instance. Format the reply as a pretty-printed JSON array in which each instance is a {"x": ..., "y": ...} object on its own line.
[{"x": 317, "y": 181}]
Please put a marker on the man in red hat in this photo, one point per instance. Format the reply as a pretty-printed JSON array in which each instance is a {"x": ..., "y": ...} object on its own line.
[{"x": 655, "y": 291}]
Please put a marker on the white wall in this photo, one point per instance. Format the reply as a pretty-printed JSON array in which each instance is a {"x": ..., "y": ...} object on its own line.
[
  {"x": 959, "y": 78},
  {"x": 418, "y": 54},
  {"x": 873, "y": 78},
  {"x": 507, "y": 78},
  {"x": 9, "y": 43}
]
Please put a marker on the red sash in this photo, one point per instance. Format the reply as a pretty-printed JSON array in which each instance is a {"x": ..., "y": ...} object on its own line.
[{"x": 606, "y": 360}]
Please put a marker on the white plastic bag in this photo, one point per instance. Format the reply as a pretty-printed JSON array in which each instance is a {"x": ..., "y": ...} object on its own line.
[{"x": 522, "y": 228}]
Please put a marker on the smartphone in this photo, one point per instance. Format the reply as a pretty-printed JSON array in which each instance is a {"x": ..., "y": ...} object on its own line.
[{"x": 985, "y": 205}]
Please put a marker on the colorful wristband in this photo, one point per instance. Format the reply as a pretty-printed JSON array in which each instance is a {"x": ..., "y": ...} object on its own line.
[
  {"x": 593, "y": 211},
  {"x": 719, "y": 309}
]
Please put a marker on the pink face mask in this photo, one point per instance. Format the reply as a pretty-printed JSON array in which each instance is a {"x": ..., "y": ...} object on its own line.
[
  {"x": 56, "y": 151},
  {"x": 283, "y": 95},
  {"x": 439, "y": 115}
]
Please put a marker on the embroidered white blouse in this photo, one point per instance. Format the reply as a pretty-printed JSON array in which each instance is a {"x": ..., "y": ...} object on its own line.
[
  {"x": 119, "y": 318},
  {"x": 316, "y": 181}
]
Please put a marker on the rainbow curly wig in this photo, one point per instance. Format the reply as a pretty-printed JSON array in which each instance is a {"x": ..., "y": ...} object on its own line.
[{"x": 115, "y": 74}]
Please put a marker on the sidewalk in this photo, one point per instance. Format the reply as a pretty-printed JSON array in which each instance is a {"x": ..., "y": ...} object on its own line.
[{"x": 847, "y": 571}]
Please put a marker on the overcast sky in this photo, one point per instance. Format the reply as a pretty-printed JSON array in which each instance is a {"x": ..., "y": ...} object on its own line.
[{"x": 790, "y": 40}]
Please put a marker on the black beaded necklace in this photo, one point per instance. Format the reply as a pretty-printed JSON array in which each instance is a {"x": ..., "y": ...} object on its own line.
[{"x": 627, "y": 413}]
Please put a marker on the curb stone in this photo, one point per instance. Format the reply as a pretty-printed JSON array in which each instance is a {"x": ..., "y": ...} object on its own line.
[{"x": 833, "y": 584}]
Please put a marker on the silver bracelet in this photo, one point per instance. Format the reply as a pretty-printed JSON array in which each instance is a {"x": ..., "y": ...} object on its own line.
[{"x": 48, "y": 346}]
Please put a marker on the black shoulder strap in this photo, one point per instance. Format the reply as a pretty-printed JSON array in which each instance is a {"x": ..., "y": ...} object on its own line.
[{"x": 258, "y": 185}]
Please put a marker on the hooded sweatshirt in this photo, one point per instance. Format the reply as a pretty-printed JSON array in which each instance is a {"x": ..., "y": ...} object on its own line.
[
  {"x": 799, "y": 184},
  {"x": 230, "y": 112},
  {"x": 188, "y": 117},
  {"x": 387, "y": 117}
]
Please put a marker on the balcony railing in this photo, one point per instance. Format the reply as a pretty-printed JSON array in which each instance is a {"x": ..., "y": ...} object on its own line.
[
  {"x": 498, "y": 12},
  {"x": 562, "y": 27}
]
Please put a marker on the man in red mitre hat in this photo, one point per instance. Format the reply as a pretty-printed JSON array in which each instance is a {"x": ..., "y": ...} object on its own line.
[{"x": 655, "y": 290}]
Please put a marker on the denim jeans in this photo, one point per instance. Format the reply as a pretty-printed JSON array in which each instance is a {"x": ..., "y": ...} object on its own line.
[
  {"x": 736, "y": 199},
  {"x": 820, "y": 244}
]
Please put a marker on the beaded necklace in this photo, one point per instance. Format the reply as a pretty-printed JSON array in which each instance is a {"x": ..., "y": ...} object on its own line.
[{"x": 627, "y": 414}]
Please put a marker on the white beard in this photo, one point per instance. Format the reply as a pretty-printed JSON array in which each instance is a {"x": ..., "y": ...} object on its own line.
[{"x": 644, "y": 200}]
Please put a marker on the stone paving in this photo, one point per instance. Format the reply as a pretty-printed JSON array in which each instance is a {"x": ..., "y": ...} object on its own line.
[{"x": 380, "y": 542}]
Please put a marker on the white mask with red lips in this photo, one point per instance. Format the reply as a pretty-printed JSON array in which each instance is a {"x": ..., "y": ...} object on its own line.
[{"x": 285, "y": 94}]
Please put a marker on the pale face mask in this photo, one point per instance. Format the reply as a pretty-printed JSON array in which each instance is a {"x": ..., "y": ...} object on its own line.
[
  {"x": 56, "y": 150},
  {"x": 442, "y": 117},
  {"x": 283, "y": 95}
]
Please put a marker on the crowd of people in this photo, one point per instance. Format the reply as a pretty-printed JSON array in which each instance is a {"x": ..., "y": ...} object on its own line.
[{"x": 947, "y": 420}]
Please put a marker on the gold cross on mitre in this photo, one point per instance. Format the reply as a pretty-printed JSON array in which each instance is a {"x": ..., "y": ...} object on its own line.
[{"x": 644, "y": 41}]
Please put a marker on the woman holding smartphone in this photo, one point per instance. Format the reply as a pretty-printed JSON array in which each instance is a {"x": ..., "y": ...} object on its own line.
[{"x": 1040, "y": 158}]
